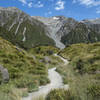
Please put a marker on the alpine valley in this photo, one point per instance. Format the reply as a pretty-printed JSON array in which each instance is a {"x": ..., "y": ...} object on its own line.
[
  {"x": 29, "y": 31},
  {"x": 48, "y": 58}
]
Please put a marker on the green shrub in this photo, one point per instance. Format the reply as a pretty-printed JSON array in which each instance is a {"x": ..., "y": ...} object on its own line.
[{"x": 59, "y": 94}]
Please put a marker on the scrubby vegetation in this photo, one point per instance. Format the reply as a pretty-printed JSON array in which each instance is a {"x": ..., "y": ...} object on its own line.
[
  {"x": 80, "y": 34},
  {"x": 25, "y": 71},
  {"x": 28, "y": 70},
  {"x": 86, "y": 57},
  {"x": 59, "y": 94},
  {"x": 83, "y": 72},
  {"x": 44, "y": 50},
  {"x": 35, "y": 35}
]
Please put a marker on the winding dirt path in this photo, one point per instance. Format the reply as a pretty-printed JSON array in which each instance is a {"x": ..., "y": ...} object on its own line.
[{"x": 56, "y": 82}]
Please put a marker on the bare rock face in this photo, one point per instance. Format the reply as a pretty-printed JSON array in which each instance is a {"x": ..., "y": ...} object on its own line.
[
  {"x": 65, "y": 31},
  {"x": 30, "y": 31},
  {"x": 93, "y": 24},
  {"x": 4, "y": 74},
  {"x": 58, "y": 26},
  {"x": 47, "y": 59},
  {"x": 21, "y": 29},
  {"x": 53, "y": 24}
]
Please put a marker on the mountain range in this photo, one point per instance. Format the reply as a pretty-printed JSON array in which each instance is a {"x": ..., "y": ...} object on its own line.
[{"x": 29, "y": 31}]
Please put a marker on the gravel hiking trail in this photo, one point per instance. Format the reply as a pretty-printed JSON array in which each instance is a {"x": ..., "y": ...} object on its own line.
[{"x": 56, "y": 82}]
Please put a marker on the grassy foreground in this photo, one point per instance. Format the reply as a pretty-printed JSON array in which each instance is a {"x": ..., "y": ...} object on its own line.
[
  {"x": 83, "y": 72},
  {"x": 26, "y": 72},
  {"x": 29, "y": 70}
]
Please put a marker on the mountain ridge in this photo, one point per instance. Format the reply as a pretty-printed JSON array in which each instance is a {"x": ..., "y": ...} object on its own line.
[
  {"x": 26, "y": 31},
  {"x": 60, "y": 31}
]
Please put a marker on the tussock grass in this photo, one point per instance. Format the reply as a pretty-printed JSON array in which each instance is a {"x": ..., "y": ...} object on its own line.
[
  {"x": 24, "y": 70},
  {"x": 59, "y": 94},
  {"x": 82, "y": 74},
  {"x": 39, "y": 98}
]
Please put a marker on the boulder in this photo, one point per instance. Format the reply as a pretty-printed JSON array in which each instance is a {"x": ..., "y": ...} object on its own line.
[
  {"x": 47, "y": 59},
  {"x": 4, "y": 74}
]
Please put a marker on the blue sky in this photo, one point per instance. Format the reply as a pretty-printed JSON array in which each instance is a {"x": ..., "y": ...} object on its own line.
[{"x": 78, "y": 9}]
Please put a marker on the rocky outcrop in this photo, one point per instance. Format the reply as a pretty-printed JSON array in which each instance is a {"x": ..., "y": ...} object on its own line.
[
  {"x": 30, "y": 31},
  {"x": 80, "y": 34},
  {"x": 54, "y": 24},
  {"x": 69, "y": 31},
  {"x": 4, "y": 74},
  {"x": 94, "y": 24},
  {"x": 66, "y": 27},
  {"x": 22, "y": 29}
]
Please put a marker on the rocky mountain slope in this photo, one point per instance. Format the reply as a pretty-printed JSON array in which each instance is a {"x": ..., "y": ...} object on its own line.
[
  {"x": 66, "y": 31},
  {"x": 22, "y": 29},
  {"x": 83, "y": 71},
  {"x": 82, "y": 32},
  {"x": 29, "y": 31},
  {"x": 54, "y": 24},
  {"x": 93, "y": 23},
  {"x": 22, "y": 72}
]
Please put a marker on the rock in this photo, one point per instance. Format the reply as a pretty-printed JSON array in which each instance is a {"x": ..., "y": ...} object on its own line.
[
  {"x": 53, "y": 25},
  {"x": 34, "y": 57},
  {"x": 4, "y": 74},
  {"x": 1, "y": 68},
  {"x": 47, "y": 59}
]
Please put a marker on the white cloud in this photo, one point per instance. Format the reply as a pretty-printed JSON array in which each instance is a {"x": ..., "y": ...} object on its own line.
[
  {"x": 98, "y": 10},
  {"x": 49, "y": 12},
  {"x": 60, "y": 5},
  {"x": 30, "y": 4},
  {"x": 39, "y": 5},
  {"x": 88, "y": 2},
  {"x": 23, "y": 1}
]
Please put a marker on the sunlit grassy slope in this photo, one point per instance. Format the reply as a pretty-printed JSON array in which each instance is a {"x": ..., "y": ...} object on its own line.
[
  {"x": 85, "y": 56},
  {"x": 35, "y": 35},
  {"x": 24, "y": 70},
  {"x": 83, "y": 72},
  {"x": 27, "y": 69}
]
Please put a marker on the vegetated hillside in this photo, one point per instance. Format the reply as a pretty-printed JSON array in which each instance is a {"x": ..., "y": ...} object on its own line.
[
  {"x": 23, "y": 30},
  {"x": 67, "y": 31},
  {"x": 54, "y": 24},
  {"x": 27, "y": 32},
  {"x": 83, "y": 72},
  {"x": 24, "y": 70},
  {"x": 81, "y": 33},
  {"x": 93, "y": 23},
  {"x": 43, "y": 50}
]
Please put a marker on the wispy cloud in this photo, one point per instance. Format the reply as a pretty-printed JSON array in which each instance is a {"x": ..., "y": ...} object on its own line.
[
  {"x": 23, "y": 1},
  {"x": 30, "y": 4},
  {"x": 39, "y": 5},
  {"x": 88, "y": 2},
  {"x": 60, "y": 5},
  {"x": 48, "y": 13},
  {"x": 98, "y": 10}
]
